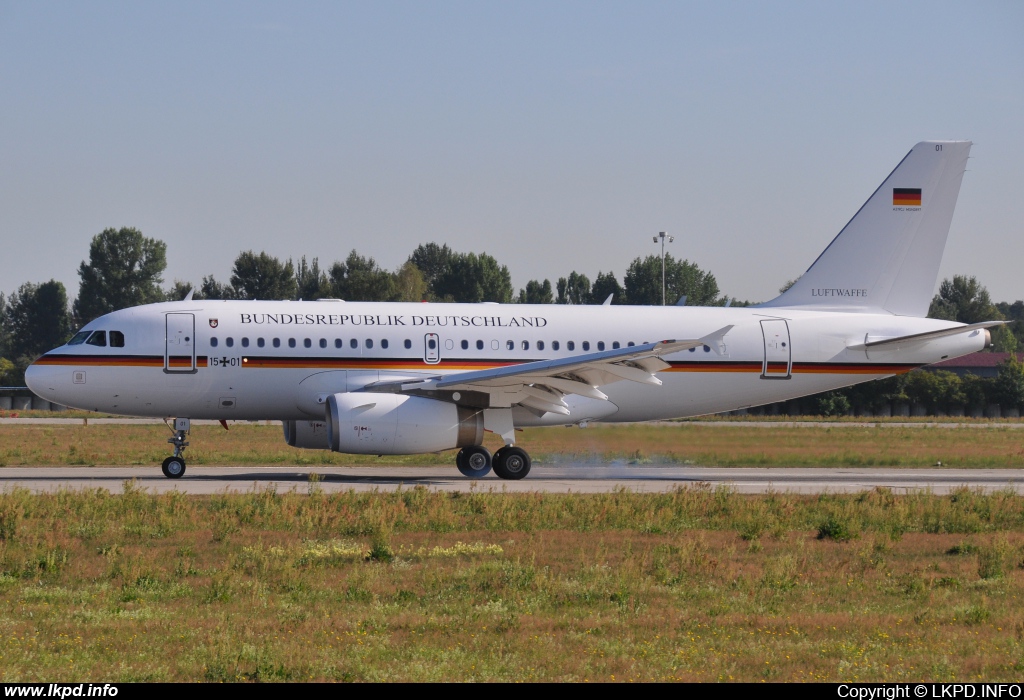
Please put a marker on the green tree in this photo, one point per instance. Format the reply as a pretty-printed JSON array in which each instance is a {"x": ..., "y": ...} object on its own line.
[
  {"x": 311, "y": 282},
  {"x": 605, "y": 284},
  {"x": 536, "y": 293},
  {"x": 37, "y": 319},
  {"x": 433, "y": 262},
  {"x": 361, "y": 279},
  {"x": 124, "y": 269},
  {"x": 6, "y": 370},
  {"x": 682, "y": 278},
  {"x": 3, "y": 326},
  {"x": 472, "y": 278},
  {"x": 262, "y": 277},
  {"x": 1009, "y": 384},
  {"x": 574, "y": 289},
  {"x": 409, "y": 284},
  {"x": 212, "y": 289},
  {"x": 179, "y": 290},
  {"x": 963, "y": 299}
]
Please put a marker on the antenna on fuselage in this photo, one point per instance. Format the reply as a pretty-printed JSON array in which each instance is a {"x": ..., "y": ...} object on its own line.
[
  {"x": 682, "y": 301},
  {"x": 608, "y": 301},
  {"x": 188, "y": 297}
]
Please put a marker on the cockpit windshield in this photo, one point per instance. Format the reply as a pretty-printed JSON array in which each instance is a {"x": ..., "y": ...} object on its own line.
[
  {"x": 98, "y": 338},
  {"x": 79, "y": 338}
]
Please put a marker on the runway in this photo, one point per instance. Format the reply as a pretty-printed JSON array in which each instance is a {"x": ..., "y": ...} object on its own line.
[{"x": 577, "y": 478}]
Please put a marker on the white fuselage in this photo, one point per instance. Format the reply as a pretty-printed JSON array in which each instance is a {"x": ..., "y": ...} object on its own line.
[{"x": 256, "y": 360}]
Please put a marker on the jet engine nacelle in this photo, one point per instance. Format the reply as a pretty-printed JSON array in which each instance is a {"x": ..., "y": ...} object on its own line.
[
  {"x": 306, "y": 434},
  {"x": 368, "y": 423}
]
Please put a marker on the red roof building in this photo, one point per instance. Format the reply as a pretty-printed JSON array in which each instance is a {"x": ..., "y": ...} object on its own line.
[{"x": 981, "y": 364}]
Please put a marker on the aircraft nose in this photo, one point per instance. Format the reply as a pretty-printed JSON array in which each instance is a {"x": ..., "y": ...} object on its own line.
[{"x": 40, "y": 379}]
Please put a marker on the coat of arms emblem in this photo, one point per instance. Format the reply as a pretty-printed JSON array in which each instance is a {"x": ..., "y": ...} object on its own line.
[{"x": 213, "y": 323}]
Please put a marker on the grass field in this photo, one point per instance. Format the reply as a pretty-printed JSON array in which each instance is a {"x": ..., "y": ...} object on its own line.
[
  {"x": 679, "y": 443},
  {"x": 693, "y": 585}
]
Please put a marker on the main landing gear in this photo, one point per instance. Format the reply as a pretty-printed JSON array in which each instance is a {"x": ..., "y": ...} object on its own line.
[
  {"x": 508, "y": 462},
  {"x": 174, "y": 467}
]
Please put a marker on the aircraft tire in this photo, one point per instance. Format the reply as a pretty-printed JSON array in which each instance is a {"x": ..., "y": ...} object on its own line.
[
  {"x": 474, "y": 461},
  {"x": 512, "y": 463},
  {"x": 173, "y": 467}
]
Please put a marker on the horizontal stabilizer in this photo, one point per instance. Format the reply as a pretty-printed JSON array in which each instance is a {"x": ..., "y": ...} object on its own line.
[{"x": 930, "y": 335}]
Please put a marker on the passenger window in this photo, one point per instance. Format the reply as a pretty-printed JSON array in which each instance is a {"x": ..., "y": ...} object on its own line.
[
  {"x": 511, "y": 345},
  {"x": 479, "y": 345},
  {"x": 307, "y": 343},
  {"x": 495, "y": 345},
  {"x": 693, "y": 349},
  {"x": 260, "y": 342},
  {"x": 554, "y": 345},
  {"x": 98, "y": 338},
  {"x": 586, "y": 344},
  {"x": 526, "y": 345},
  {"x": 630, "y": 344},
  {"x": 570, "y": 345},
  {"x": 540, "y": 344},
  {"x": 213, "y": 342},
  {"x": 337, "y": 342},
  {"x": 465, "y": 345},
  {"x": 615, "y": 345},
  {"x": 384, "y": 343},
  {"x": 291, "y": 342},
  {"x": 707, "y": 349},
  {"x": 245, "y": 342},
  {"x": 79, "y": 338},
  {"x": 229, "y": 341},
  {"x": 600, "y": 345},
  {"x": 277, "y": 342},
  {"x": 408, "y": 344},
  {"x": 369, "y": 343},
  {"x": 353, "y": 343},
  {"x": 116, "y": 339},
  {"x": 323, "y": 342}
]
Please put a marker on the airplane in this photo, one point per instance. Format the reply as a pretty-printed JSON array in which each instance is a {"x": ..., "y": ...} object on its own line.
[{"x": 411, "y": 378}]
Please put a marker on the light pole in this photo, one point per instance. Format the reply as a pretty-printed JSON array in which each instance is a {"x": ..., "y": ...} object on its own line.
[{"x": 661, "y": 236}]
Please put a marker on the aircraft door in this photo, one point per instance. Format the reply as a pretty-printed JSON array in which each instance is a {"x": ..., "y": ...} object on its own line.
[
  {"x": 431, "y": 349},
  {"x": 778, "y": 355},
  {"x": 180, "y": 348}
]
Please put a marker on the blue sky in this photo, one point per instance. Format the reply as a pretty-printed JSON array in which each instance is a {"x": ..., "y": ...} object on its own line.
[{"x": 554, "y": 136}]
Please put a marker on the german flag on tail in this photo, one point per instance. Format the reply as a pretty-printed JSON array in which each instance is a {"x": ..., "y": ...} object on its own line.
[{"x": 906, "y": 197}]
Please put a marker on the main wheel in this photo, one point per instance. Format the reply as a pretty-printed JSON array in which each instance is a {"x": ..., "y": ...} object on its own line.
[
  {"x": 173, "y": 467},
  {"x": 511, "y": 463},
  {"x": 474, "y": 461}
]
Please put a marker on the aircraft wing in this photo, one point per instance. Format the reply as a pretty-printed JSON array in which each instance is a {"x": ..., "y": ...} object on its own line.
[{"x": 541, "y": 386}]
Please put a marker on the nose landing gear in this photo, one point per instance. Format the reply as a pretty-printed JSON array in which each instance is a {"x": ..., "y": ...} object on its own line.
[{"x": 174, "y": 467}]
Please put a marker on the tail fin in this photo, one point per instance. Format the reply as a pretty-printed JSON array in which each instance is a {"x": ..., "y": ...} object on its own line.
[{"x": 887, "y": 257}]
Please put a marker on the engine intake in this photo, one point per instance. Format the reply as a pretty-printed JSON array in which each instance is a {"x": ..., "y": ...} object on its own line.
[{"x": 393, "y": 424}]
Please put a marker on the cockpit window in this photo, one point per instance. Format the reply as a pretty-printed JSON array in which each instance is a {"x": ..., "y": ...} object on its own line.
[
  {"x": 116, "y": 339},
  {"x": 79, "y": 338},
  {"x": 98, "y": 338}
]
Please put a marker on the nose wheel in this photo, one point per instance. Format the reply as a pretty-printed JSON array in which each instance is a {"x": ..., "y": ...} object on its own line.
[{"x": 174, "y": 467}]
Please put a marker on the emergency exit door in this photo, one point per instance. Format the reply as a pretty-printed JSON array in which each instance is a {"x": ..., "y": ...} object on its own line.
[
  {"x": 180, "y": 350},
  {"x": 431, "y": 349},
  {"x": 778, "y": 356}
]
